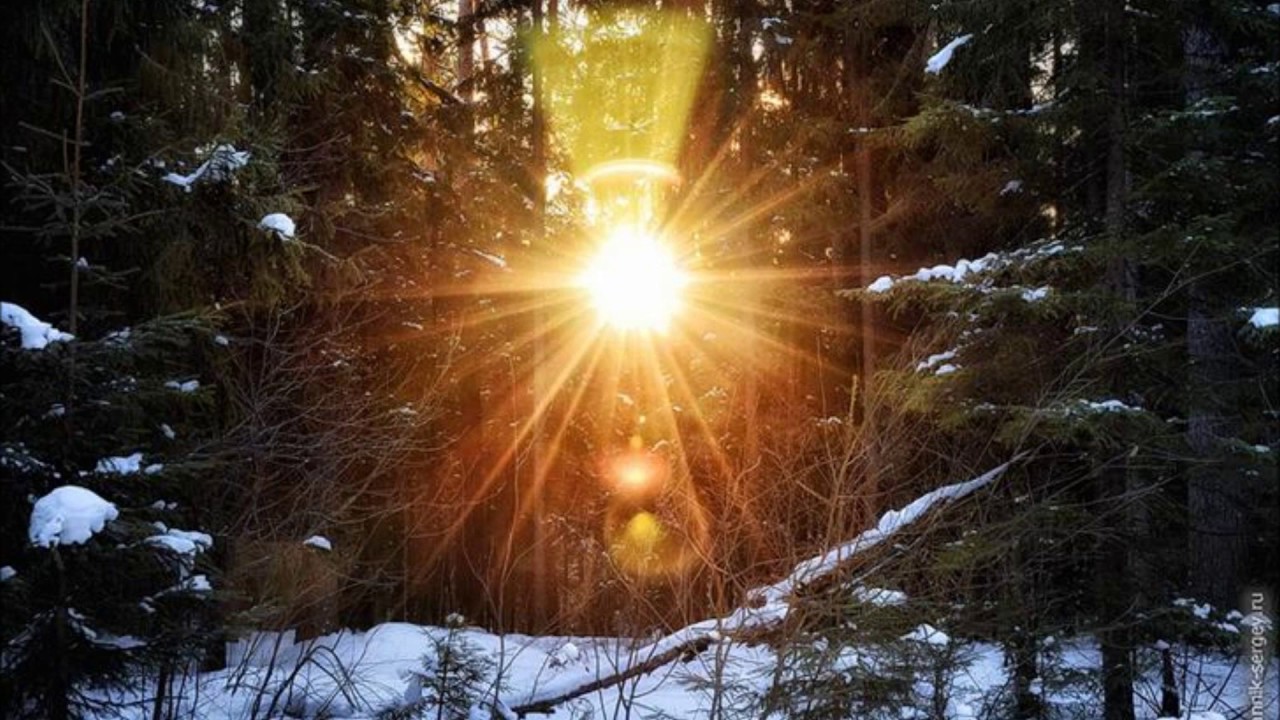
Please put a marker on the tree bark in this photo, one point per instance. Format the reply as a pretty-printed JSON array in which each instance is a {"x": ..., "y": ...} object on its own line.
[
  {"x": 1216, "y": 496},
  {"x": 466, "y": 49},
  {"x": 1119, "y": 484}
]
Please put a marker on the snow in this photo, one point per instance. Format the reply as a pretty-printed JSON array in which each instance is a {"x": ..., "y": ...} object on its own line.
[
  {"x": 69, "y": 515},
  {"x": 36, "y": 334},
  {"x": 1036, "y": 294},
  {"x": 890, "y": 523},
  {"x": 969, "y": 271},
  {"x": 318, "y": 542},
  {"x": 1108, "y": 406},
  {"x": 496, "y": 260},
  {"x": 953, "y": 273},
  {"x": 568, "y": 654},
  {"x": 168, "y": 431},
  {"x": 187, "y": 543},
  {"x": 221, "y": 340},
  {"x": 7, "y": 573},
  {"x": 881, "y": 284},
  {"x": 119, "y": 338},
  {"x": 933, "y": 360},
  {"x": 185, "y": 386},
  {"x": 122, "y": 465},
  {"x": 366, "y": 674},
  {"x": 940, "y": 59},
  {"x": 358, "y": 674},
  {"x": 222, "y": 163},
  {"x": 279, "y": 223},
  {"x": 119, "y": 642},
  {"x": 928, "y": 635},
  {"x": 879, "y": 597},
  {"x": 946, "y": 369},
  {"x": 17, "y": 457},
  {"x": 1011, "y": 188},
  {"x": 197, "y": 583},
  {"x": 185, "y": 546},
  {"x": 1265, "y": 317}
]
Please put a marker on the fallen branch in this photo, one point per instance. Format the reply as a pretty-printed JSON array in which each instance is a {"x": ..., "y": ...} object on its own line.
[{"x": 767, "y": 606}]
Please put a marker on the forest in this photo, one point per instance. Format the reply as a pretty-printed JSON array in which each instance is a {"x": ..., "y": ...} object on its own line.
[{"x": 652, "y": 359}]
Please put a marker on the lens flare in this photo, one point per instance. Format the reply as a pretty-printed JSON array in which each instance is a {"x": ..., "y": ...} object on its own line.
[{"x": 634, "y": 282}]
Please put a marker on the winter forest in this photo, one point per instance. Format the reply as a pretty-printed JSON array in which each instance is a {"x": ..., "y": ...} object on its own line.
[{"x": 639, "y": 359}]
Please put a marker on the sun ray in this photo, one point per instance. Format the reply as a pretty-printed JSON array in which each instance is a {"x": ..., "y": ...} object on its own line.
[{"x": 570, "y": 355}]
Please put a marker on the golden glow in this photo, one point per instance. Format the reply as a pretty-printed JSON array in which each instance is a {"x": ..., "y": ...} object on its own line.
[
  {"x": 640, "y": 543},
  {"x": 636, "y": 473},
  {"x": 634, "y": 281},
  {"x": 647, "y": 64},
  {"x": 619, "y": 92}
]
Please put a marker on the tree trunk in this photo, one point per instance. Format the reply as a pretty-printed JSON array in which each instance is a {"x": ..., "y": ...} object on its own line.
[
  {"x": 1216, "y": 496},
  {"x": 466, "y": 49},
  {"x": 1118, "y": 484},
  {"x": 544, "y": 591}
]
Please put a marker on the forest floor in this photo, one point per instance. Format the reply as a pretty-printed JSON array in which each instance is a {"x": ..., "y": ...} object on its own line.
[{"x": 360, "y": 674}]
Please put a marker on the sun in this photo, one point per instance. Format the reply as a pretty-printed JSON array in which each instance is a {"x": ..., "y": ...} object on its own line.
[{"x": 634, "y": 281}]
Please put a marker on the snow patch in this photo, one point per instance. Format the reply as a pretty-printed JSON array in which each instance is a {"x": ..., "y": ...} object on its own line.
[
  {"x": 121, "y": 465},
  {"x": 36, "y": 334},
  {"x": 1108, "y": 406},
  {"x": 1035, "y": 294},
  {"x": 185, "y": 543},
  {"x": 222, "y": 163},
  {"x": 942, "y": 58},
  {"x": 1012, "y": 187},
  {"x": 1264, "y": 317},
  {"x": 928, "y": 635},
  {"x": 318, "y": 542},
  {"x": 69, "y": 515},
  {"x": 879, "y": 597},
  {"x": 7, "y": 573},
  {"x": 933, "y": 360},
  {"x": 278, "y": 223},
  {"x": 882, "y": 284}
]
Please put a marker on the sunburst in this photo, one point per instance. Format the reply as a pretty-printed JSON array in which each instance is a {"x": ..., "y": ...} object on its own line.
[{"x": 626, "y": 314}]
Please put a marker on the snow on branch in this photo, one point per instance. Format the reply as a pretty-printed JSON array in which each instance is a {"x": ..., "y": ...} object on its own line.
[
  {"x": 69, "y": 515},
  {"x": 767, "y": 608},
  {"x": 942, "y": 58},
  {"x": 36, "y": 333},
  {"x": 891, "y": 522},
  {"x": 1264, "y": 317},
  {"x": 279, "y": 223},
  {"x": 975, "y": 273},
  {"x": 223, "y": 161}
]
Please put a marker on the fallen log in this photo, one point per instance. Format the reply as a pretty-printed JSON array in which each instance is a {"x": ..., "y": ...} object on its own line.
[{"x": 766, "y": 607}]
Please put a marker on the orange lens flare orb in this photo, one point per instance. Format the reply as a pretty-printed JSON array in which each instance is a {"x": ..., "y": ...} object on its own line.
[
  {"x": 634, "y": 282},
  {"x": 635, "y": 472}
]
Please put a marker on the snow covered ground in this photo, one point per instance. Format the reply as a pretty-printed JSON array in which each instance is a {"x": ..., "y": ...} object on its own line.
[
  {"x": 714, "y": 668},
  {"x": 358, "y": 674}
]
